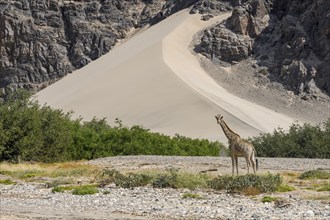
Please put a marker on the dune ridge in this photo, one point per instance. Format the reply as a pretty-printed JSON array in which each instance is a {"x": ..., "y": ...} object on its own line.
[{"x": 154, "y": 80}]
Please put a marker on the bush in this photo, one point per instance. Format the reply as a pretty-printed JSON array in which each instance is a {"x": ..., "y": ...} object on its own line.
[
  {"x": 285, "y": 188},
  {"x": 133, "y": 180},
  {"x": 315, "y": 174},
  {"x": 77, "y": 190},
  {"x": 241, "y": 184},
  {"x": 325, "y": 187},
  {"x": 130, "y": 181},
  {"x": 300, "y": 141},
  {"x": 62, "y": 188},
  {"x": 171, "y": 179},
  {"x": 268, "y": 199},
  {"x": 30, "y": 132},
  {"x": 85, "y": 190},
  {"x": 7, "y": 182},
  {"x": 168, "y": 180}
]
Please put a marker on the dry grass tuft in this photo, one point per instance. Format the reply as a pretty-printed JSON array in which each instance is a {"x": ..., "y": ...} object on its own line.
[{"x": 53, "y": 170}]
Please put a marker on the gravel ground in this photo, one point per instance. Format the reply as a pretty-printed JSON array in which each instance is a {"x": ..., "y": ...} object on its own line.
[
  {"x": 197, "y": 164},
  {"x": 35, "y": 201}
]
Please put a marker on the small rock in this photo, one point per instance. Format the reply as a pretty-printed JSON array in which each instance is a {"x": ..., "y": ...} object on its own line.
[{"x": 309, "y": 213}]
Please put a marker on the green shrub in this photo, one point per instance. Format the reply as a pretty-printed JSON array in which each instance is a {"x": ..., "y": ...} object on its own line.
[
  {"x": 129, "y": 181},
  {"x": 268, "y": 199},
  {"x": 240, "y": 184},
  {"x": 85, "y": 190},
  {"x": 133, "y": 180},
  {"x": 167, "y": 180},
  {"x": 62, "y": 188},
  {"x": 77, "y": 190},
  {"x": 7, "y": 182},
  {"x": 191, "y": 181},
  {"x": 285, "y": 188},
  {"x": 315, "y": 174},
  {"x": 106, "y": 192},
  {"x": 300, "y": 141},
  {"x": 170, "y": 179},
  {"x": 325, "y": 187},
  {"x": 30, "y": 132}
]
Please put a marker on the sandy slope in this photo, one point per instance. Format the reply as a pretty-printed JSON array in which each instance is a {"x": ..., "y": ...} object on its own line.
[{"x": 154, "y": 80}]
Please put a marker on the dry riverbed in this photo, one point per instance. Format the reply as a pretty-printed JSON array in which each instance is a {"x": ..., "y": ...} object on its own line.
[{"x": 34, "y": 200}]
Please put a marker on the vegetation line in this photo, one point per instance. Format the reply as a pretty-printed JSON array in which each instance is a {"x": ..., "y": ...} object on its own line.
[{"x": 30, "y": 132}]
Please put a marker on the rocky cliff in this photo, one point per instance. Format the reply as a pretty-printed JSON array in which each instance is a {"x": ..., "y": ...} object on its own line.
[
  {"x": 288, "y": 40},
  {"x": 43, "y": 40}
]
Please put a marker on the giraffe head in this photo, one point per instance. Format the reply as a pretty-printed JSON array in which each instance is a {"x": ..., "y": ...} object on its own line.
[{"x": 219, "y": 118}]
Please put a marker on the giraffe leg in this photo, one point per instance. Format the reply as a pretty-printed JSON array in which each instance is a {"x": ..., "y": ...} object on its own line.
[
  {"x": 253, "y": 163},
  {"x": 247, "y": 164},
  {"x": 236, "y": 162},
  {"x": 232, "y": 164}
]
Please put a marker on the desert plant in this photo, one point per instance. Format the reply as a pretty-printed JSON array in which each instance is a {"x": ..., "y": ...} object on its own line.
[
  {"x": 133, "y": 180},
  {"x": 77, "y": 190},
  {"x": 325, "y": 187},
  {"x": 172, "y": 178},
  {"x": 284, "y": 188},
  {"x": 106, "y": 192},
  {"x": 192, "y": 181},
  {"x": 7, "y": 182},
  {"x": 30, "y": 132},
  {"x": 268, "y": 199},
  {"x": 62, "y": 188},
  {"x": 167, "y": 180},
  {"x": 300, "y": 141},
  {"x": 233, "y": 184},
  {"x": 315, "y": 174},
  {"x": 85, "y": 190},
  {"x": 126, "y": 181}
]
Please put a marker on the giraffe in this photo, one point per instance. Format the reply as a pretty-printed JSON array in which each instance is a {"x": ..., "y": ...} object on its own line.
[{"x": 237, "y": 147}]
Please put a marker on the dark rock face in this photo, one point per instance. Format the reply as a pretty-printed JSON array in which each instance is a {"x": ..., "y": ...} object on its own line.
[
  {"x": 232, "y": 41},
  {"x": 300, "y": 40},
  {"x": 290, "y": 38},
  {"x": 32, "y": 44},
  {"x": 43, "y": 40},
  {"x": 219, "y": 43}
]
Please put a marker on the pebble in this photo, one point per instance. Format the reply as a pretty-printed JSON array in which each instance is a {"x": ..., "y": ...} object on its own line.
[{"x": 309, "y": 213}]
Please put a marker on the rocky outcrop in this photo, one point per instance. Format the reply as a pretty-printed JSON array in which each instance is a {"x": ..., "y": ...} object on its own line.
[
  {"x": 232, "y": 41},
  {"x": 299, "y": 40},
  {"x": 289, "y": 39},
  {"x": 43, "y": 40}
]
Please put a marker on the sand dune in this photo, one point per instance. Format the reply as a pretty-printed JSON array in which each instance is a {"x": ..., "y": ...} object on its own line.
[{"x": 154, "y": 80}]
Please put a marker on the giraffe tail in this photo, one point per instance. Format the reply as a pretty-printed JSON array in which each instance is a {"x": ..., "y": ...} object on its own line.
[{"x": 255, "y": 155}]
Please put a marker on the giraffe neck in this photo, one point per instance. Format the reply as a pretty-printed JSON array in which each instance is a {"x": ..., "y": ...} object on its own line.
[{"x": 231, "y": 136}]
